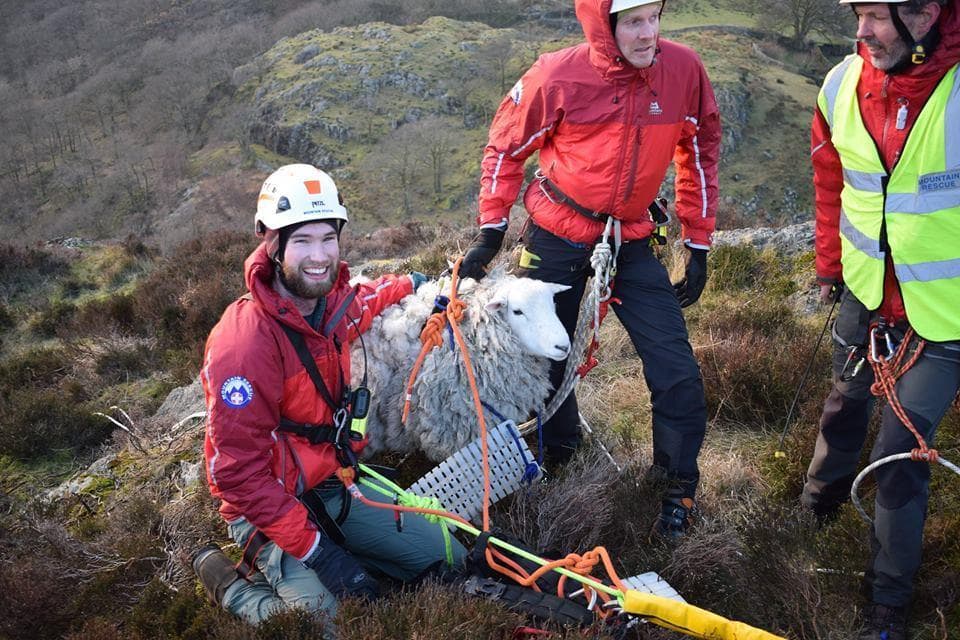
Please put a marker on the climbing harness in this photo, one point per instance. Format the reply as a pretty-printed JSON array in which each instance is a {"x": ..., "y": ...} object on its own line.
[{"x": 886, "y": 358}]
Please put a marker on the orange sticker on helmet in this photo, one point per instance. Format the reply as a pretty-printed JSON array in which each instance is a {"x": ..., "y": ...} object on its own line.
[{"x": 313, "y": 186}]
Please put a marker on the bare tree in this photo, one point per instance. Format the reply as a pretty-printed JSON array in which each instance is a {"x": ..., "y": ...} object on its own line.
[
  {"x": 803, "y": 17},
  {"x": 399, "y": 168},
  {"x": 436, "y": 139},
  {"x": 494, "y": 56}
]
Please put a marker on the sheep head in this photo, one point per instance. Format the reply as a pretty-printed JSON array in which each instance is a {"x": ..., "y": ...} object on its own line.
[{"x": 526, "y": 305}]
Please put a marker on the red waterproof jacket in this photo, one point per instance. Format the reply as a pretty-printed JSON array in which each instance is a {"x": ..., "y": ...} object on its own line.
[
  {"x": 252, "y": 376},
  {"x": 880, "y": 96},
  {"x": 606, "y": 132}
]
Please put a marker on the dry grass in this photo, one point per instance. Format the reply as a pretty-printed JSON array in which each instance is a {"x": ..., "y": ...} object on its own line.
[{"x": 114, "y": 562}]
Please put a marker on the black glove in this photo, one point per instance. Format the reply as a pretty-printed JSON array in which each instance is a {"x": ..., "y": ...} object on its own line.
[
  {"x": 689, "y": 289},
  {"x": 340, "y": 572},
  {"x": 480, "y": 253}
]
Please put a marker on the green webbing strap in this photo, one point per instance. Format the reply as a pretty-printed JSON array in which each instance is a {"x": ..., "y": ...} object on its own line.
[{"x": 408, "y": 498}]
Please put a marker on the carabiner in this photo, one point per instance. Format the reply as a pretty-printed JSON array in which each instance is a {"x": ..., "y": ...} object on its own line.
[
  {"x": 888, "y": 344},
  {"x": 340, "y": 423},
  {"x": 857, "y": 364}
]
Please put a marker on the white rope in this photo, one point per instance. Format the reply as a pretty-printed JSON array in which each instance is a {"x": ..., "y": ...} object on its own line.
[
  {"x": 604, "y": 264},
  {"x": 880, "y": 463}
]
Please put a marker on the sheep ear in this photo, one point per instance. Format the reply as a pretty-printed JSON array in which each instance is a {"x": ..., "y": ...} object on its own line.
[
  {"x": 558, "y": 288},
  {"x": 496, "y": 303}
]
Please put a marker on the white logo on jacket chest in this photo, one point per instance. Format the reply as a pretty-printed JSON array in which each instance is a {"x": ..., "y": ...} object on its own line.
[{"x": 655, "y": 109}]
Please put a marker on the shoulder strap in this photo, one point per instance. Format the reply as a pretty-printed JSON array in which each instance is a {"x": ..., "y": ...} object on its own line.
[
  {"x": 338, "y": 314},
  {"x": 296, "y": 338}
]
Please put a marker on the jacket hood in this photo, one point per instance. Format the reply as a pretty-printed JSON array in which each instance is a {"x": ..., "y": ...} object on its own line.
[
  {"x": 594, "y": 17},
  {"x": 947, "y": 52}
]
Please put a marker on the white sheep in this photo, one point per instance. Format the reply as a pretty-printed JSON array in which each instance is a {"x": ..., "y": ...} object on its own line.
[{"x": 512, "y": 332}]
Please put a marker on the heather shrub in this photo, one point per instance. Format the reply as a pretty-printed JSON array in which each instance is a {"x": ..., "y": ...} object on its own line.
[
  {"x": 22, "y": 269},
  {"x": 34, "y": 423},
  {"x": 73, "y": 285},
  {"x": 432, "y": 611},
  {"x": 34, "y": 368},
  {"x": 7, "y": 320},
  {"x": 32, "y": 603},
  {"x": 162, "y": 613},
  {"x": 185, "y": 295},
  {"x": 102, "y": 315},
  {"x": 51, "y": 317},
  {"x": 752, "y": 364}
]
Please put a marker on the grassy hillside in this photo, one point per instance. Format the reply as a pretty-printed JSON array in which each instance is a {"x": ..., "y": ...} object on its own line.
[{"x": 149, "y": 127}]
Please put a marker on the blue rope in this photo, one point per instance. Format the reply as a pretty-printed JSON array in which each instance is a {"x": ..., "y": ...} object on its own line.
[
  {"x": 539, "y": 440},
  {"x": 531, "y": 469}
]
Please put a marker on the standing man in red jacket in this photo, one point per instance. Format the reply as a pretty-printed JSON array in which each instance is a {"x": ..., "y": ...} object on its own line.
[
  {"x": 276, "y": 378},
  {"x": 608, "y": 116},
  {"x": 886, "y": 159}
]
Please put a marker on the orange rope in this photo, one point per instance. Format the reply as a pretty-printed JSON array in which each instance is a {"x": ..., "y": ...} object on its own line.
[
  {"x": 432, "y": 336},
  {"x": 347, "y": 475},
  {"x": 886, "y": 373}
]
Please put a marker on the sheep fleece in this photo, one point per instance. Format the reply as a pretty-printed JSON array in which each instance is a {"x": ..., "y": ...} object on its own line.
[{"x": 442, "y": 416}]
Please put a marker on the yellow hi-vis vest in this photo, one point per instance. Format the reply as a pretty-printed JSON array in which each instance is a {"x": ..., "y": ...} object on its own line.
[{"x": 918, "y": 203}]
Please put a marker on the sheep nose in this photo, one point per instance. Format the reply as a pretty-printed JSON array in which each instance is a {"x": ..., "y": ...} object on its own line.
[{"x": 562, "y": 348}]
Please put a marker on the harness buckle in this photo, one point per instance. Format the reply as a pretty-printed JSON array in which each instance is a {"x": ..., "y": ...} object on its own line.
[{"x": 541, "y": 182}]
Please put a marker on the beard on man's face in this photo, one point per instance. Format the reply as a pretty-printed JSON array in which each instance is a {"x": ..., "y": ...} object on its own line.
[
  {"x": 310, "y": 288},
  {"x": 886, "y": 57}
]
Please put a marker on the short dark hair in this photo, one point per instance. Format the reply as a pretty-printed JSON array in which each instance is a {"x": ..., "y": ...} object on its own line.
[{"x": 915, "y": 6}]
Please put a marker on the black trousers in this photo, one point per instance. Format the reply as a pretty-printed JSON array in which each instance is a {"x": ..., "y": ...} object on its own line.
[
  {"x": 925, "y": 392},
  {"x": 650, "y": 313}
]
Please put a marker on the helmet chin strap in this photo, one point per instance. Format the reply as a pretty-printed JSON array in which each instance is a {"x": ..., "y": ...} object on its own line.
[{"x": 919, "y": 49}]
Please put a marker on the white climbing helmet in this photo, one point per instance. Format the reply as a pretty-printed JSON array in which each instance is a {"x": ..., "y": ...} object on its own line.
[
  {"x": 622, "y": 5},
  {"x": 298, "y": 193}
]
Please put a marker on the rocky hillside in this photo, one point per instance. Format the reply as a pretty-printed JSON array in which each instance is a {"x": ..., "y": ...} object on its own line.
[{"x": 399, "y": 114}]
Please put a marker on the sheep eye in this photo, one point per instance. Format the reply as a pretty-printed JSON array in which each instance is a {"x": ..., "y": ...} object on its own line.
[{"x": 518, "y": 312}]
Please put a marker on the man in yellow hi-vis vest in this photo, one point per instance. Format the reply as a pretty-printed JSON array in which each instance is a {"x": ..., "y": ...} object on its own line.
[{"x": 886, "y": 155}]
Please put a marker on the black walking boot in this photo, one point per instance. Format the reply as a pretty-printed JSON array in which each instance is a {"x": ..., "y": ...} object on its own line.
[
  {"x": 884, "y": 623},
  {"x": 676, "y": 516},
  {"x": 215, "y": 570}
]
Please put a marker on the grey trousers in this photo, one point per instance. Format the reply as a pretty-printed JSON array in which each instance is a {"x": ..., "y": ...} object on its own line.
[
  {"x": 926, "y": 392},
  {"x": 371, "y": 536}
]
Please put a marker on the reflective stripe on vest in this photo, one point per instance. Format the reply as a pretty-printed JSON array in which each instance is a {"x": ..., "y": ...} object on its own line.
[{"x": 919, "y": 203}]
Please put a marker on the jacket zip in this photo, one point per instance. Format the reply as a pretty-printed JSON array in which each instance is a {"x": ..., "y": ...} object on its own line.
[
  {"x": 631, "y": 98},
  {"x": 632, "y": 177},
  {"x": 886, "y": 124}
]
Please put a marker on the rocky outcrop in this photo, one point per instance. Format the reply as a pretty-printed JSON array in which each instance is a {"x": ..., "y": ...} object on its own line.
[
  {"x": 735, "y": 103},
  {"x": 790, "y": 240}
]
